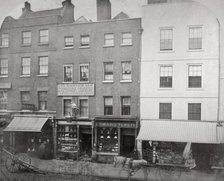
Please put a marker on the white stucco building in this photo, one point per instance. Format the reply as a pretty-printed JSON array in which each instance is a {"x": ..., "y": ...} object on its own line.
[{"x": 180, "y": 73}]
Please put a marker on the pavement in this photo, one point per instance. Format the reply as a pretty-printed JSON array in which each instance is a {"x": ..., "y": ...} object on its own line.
[{"x": 87, "y": 168}]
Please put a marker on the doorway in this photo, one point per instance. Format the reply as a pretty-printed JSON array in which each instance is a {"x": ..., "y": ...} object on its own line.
[
  {"x": 86, "y": 144},
  {"x": 127, "y": 145}
]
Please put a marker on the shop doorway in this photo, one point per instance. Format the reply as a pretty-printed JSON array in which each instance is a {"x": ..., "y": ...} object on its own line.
[
  {"x": 127, "y": 145},
  {"x": 86, "y": 144}
]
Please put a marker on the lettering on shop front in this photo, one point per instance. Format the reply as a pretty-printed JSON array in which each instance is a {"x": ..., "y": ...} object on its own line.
[
  {"x": 75, "y": 89},
  {"x": 121, "y": 125}
]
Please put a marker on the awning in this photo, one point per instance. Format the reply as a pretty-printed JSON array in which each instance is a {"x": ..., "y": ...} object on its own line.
[
  {"x": 181, "y": 131},
  {"x": 26, "y": 124}
]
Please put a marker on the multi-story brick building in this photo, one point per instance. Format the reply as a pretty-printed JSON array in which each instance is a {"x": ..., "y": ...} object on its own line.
[
  {"x": 180, "y": 80},
  {"x": 52, "y": 64}
]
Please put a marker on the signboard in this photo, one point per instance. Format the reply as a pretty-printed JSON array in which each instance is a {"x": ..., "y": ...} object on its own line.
[
  {"x": 75, "y": 89},
  {"x": 120, "y": 125}
]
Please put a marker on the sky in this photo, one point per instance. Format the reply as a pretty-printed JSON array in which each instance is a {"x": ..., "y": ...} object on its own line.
[{"x": 87, "y": 8}]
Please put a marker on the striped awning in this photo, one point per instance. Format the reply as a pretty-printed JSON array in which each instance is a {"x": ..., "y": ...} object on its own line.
[
  {"x": 26, "y": 124},
  {"x": 181, "y": 131}
]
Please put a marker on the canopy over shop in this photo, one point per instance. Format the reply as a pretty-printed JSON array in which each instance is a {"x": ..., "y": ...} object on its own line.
[
  {"x": 204, "y": 135},
  {"x": 28, "y": 134}
]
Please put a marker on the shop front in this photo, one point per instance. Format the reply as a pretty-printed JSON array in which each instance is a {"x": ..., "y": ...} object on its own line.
[
  {"x": 73, "y": 138},
  {"x": 30, "y": 134},
  {"x": 179, "y": 143},
  {"x": 114, "y": 137}
]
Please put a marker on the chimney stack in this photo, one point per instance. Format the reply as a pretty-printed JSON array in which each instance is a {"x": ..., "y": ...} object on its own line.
[
  {"x": 67, "y": 12},
  {"x": 27, "y": 6},
  {"x": 103, "y": 10}
]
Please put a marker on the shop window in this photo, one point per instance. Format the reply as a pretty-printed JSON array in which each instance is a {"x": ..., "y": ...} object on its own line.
[
  {"x": 126, "y": 70},
  {"x": 194, "y": 76},
  {"x": 43, "y": 36},
  {"x": 83, "y": 107},
  {"x": 109, "y": 39},
  {"x": 67, "y": 107},
  {"x": 68, "y": 73},
  {"x": 165, "y": 111},
  {"x": 43, "y": 65},
  {"x": 126, "y": 105},
  {"x": 3, "y": 99},
  {"x": 195, "y": 38},
  {"x": 3, "y": 67},
  {"x": 69, "y": 41},
  {"x": 84, "y": 73},
  {"x": 42, "y": 100},
  {"x": 4, "y": 40},
  {"x": 108, "y": 105},
  {"x": 26, "y": 37},
  {"x": 166, "y": 39},
  {"x": 107, "y": 140},
  {"x": 85, "y": 41},
  {"x": 166, "y": 76},
  {"x": 25, "y": 97},
  {"x": 194, "y": 111},
  {"x": 108, "y": 71},
  {"x": 26, "y": 66},
  {"x": 126, "y": 38}
]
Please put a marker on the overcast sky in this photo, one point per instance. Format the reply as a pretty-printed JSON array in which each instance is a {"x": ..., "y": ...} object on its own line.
[{"x": 87, "y": 8}]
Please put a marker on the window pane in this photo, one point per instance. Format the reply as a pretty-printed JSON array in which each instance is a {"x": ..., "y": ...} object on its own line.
[
  {"x": 194, "y": 76},
  {"x": 108, "y": 71},
  {"x": 84, "y": 107},
  {"x": 125, "y": 105},
  {"x": 126, "y": 38},
  {"x": 67, "y": 107},
  {"x": 3, "y": 66},
  {"x": 26, "y": 66},
  {"x": 68, "y": 73},
  {"x": 26, "y": 37},
  {"x": 3, "y": 99},
  {"x": 166, "y": 39},
  {"x": 43, "y": 65},
  {"x": 85, "y": 39},
  {"x": 165, "y": 111},
  {"x": 166, "y": 76},
  {"x": 5, "y": 40},
  {"x": 195, "y": 38},
  {"x": 108, "y": 106},
  {"x": 194, "y": 111},
  {"x": 44, "y": 36},
  {"x": 126, "y": 70},
  {"x": 109, "y": 39},
  {"x": 25, "y": 97},
  {"x": 84, "y": 72},
  {"x": 42, "y": 100},
  {"x": 69, "y": 41}
]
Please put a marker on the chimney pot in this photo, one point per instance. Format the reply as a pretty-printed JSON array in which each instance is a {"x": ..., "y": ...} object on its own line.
[{"x": 27, "y": 5}]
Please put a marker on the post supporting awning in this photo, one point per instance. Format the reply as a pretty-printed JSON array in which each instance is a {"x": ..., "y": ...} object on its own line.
[
  {"x": 181, "y": 131},
  {"x": 26, "y": 124}
]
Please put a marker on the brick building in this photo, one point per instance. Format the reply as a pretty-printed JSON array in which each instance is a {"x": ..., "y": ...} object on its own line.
[{"x": 84, "y": 74}]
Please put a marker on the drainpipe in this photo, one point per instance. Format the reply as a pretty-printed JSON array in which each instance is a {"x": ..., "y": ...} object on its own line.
[{"x": 219, "y": 76}]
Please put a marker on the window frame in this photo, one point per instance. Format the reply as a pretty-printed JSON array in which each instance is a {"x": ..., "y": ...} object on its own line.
[
  {"x": 25, "y": 66},
  {"x": 123, "y": 74},
  {"x": 192, "y": 113},
  {"x": 4, "y": 40},
  {"x": 3, "y": 99},
  {"x": 21, "y": 97},
  {"x": 123, "y": 106},
  {"x": 108, "y": 73},
  {"x": 69, "y": 44},
  {"x": 40, "y": 101},
  {"x": 190, "y": 78},
  {"x": 87, "y": 107},
  {"x": 4, "y": 68},
  {"x": 63, "y": 106},
  {"x": 123, "y": 38},
  {"x": 84, "y": 43},
  {"x": 164, "y": 113},
  {"x": 168, "y": 83},
  {"x": 26, "y": 38},
  {"x": 166, "y": 43},
  {"x": 43, "y": 65},
  {"x": 83, "y": 65},
  {"x": 43, "y": 36},
  {"x": 199, "y": 45},
  {"x": 68, "y": 65},
  {"x": 108, "y": 106},
  {"x": 107, "y": 39}
]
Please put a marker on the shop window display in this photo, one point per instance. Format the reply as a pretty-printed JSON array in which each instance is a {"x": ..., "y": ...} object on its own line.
[{"x": 107, "y": 140}]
